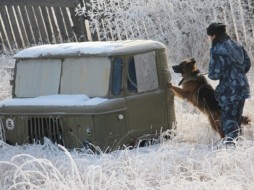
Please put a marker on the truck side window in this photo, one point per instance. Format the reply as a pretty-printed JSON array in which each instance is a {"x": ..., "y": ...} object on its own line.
[
  {"x": 142, "y": 73},
  {"x": 132, "y": 79},
  {"x": 117, "y": 76}
]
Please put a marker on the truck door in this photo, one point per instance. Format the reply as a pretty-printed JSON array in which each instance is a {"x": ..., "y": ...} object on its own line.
[{"x": 145, "y": 101}]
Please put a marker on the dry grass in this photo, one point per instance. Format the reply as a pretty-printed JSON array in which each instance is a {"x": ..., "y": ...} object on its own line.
[{"x": 188, "y": 161}]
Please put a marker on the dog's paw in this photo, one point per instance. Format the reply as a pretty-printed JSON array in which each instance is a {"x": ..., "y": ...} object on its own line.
[{"x": 169, "y": 84}]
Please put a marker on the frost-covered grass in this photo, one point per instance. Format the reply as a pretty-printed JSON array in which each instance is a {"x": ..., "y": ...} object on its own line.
[
  {"x": 170, "y": 165},
  {"x": 189, "y": 161}
]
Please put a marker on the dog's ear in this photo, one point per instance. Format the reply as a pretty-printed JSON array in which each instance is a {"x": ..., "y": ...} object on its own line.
[
  {"x": 189, "y": 61},
  {"x": 192, "y": 61}
]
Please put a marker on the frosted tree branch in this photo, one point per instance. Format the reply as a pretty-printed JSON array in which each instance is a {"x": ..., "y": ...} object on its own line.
[{"x": 181, "y": 25}]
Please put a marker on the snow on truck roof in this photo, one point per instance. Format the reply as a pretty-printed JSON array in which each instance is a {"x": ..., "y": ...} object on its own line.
[{"x": 101, "y": 48}]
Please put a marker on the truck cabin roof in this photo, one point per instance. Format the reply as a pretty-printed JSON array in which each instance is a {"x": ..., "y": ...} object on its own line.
[{"x": 83, "y": 49}]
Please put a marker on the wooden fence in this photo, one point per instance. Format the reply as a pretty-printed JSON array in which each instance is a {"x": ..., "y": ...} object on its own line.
[{"x": 27, "y": 22}]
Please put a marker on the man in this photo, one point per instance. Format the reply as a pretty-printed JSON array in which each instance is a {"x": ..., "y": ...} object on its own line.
[{"x": 229, "y": 63}]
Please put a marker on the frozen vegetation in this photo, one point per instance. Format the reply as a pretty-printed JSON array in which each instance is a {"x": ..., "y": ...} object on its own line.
[
  {"x": 180, "y": 24},
  {"x": 191, "y": 159}
]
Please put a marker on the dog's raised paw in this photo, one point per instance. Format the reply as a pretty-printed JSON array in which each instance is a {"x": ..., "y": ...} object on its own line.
[{"x": 169, "y": 84}]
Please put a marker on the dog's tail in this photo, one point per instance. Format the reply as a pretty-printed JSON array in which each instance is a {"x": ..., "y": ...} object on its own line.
[{"x": 245, "y": 120}]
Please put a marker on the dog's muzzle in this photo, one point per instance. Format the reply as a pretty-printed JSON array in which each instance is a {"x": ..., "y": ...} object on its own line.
[{"x": 177, "y": 68}]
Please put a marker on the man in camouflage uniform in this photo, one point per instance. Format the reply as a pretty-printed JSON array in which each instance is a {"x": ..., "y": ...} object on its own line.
[{"x": 229, "y": 63}]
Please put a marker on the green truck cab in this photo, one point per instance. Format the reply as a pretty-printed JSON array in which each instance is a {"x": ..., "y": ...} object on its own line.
[{"x": 89, "y": 94}]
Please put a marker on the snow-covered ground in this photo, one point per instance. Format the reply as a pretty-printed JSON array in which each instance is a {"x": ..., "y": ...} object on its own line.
[{"x": 189, "y": 161}]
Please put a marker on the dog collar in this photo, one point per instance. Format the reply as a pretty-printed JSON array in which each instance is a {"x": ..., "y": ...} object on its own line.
[{"x": 192, "y": 78}]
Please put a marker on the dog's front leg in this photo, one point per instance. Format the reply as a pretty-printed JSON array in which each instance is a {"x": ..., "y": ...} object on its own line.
[{"x": 179, "y": 92}]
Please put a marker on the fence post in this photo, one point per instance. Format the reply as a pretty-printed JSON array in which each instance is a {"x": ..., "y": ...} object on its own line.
[
  {"x": 78, "y": 23},
  {"x": 7, "y": 25},
  {"x": 94, "y": 36},
  {"x": 80, "y": 26},
  {"x": 28, "y": 22}
]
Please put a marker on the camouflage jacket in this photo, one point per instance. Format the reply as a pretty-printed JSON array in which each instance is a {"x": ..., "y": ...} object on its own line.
[{"x": 229, "y": 62}]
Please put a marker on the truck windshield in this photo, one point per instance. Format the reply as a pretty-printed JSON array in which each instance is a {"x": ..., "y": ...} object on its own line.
[{"x": 40, "y": 77}]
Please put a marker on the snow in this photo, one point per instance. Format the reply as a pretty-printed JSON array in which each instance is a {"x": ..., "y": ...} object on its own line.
[
  {"x": 88, "y": 48},
  {"x": 190, "y": 160},
  {"x": 54, "y": 100}
]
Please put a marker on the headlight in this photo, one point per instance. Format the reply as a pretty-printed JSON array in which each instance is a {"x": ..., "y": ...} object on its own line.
[{"x": 9, "y": 124}]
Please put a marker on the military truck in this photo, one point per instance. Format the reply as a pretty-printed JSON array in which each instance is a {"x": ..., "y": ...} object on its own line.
[{"x": 104, "y": 95}]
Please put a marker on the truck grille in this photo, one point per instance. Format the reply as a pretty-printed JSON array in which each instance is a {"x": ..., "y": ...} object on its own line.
[{"x": 40, "y": 127}]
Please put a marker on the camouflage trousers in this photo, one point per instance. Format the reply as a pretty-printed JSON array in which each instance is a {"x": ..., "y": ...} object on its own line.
[{"x": 231, "y": 115}]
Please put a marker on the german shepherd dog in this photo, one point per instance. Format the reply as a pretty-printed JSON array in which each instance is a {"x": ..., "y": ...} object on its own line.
[{"x": 196, "y": 90}]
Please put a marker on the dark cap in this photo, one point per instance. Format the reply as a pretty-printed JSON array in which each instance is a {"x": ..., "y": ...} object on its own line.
[{"x": 216, "y": 28}]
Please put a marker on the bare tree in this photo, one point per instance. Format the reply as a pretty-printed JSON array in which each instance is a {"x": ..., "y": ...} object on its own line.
[{"x": 180, "y": 24}]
